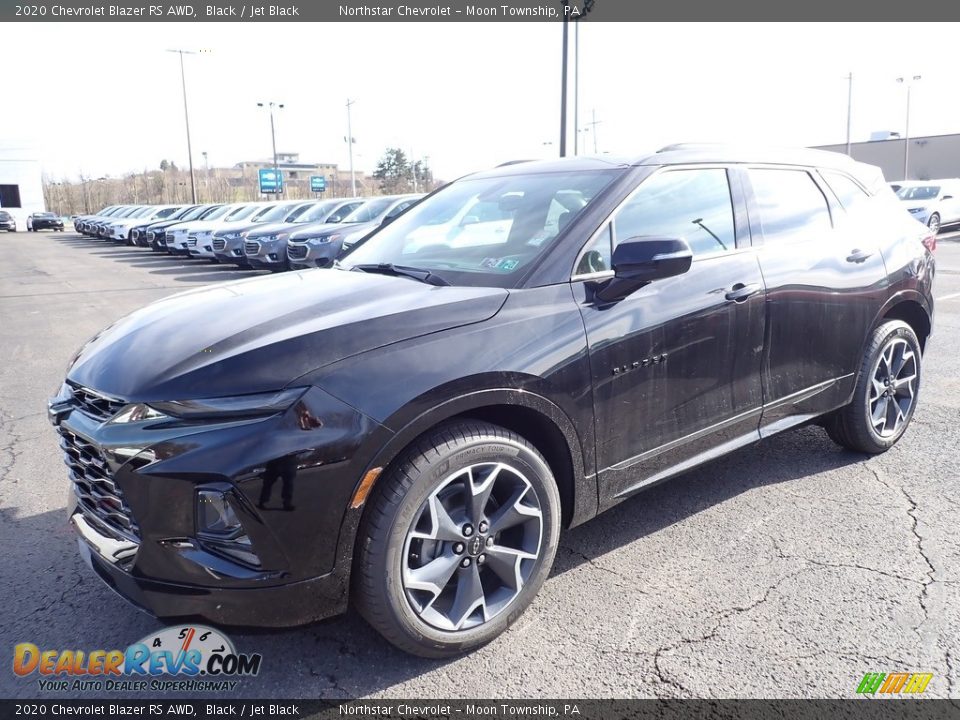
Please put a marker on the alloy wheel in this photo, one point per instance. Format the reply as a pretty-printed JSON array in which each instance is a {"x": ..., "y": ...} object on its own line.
[
  {"x": 934, "y": 223},
  {"x": 893, "y": 388},
  {"x": 472, "y": 546}
]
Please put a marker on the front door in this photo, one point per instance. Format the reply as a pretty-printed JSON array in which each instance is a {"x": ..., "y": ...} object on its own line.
[{"x": 676, "y": 365}]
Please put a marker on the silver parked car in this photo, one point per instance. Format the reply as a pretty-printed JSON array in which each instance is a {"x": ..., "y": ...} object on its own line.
[{"x": 933, "y": 202}]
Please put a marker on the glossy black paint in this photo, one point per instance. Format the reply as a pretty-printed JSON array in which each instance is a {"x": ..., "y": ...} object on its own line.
[{"x": 617, "y": 395}]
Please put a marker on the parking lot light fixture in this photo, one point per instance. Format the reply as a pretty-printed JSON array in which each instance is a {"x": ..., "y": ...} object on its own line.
[{"x": 906, "y": 130}]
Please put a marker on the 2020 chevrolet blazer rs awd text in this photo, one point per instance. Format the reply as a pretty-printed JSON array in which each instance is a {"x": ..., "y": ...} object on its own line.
[{"x": 523, "y": 349}]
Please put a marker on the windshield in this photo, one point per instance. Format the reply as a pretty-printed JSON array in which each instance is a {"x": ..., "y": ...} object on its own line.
[
  {"x": 919, "y": 192},
  {"x": 241, "y": 213},
  {"x": 483, "y": 231},
  {"x": 272, "y": 213},
  {"x": 370, "y": 210},
  {"x": 318, "y": 213},
  {"x": 44, "y": 215},
  {"x": 166, "y": 212},
  {"x": 211, "y": 213},
  {"x": 299, "y": 210},
  {"x": 219, "y": 212},
  {"x": 184, "y": 212}
]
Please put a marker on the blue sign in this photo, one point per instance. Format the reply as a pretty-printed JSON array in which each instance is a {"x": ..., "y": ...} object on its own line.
[
  {"x": 271, "y": 181},
  {"x": 318, "y": 183}
]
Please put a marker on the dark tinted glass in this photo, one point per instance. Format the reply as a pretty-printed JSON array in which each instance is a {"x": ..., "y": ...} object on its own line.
[{"x": 791, "y": 205}]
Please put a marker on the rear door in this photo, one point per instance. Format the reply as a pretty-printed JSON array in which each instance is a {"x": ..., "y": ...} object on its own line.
[
  {"x": 675, "y": 365},
  {"x": 825, "y": 280}
]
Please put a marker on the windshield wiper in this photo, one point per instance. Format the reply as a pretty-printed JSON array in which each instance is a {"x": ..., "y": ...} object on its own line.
[{"x": 403, "y": 271}]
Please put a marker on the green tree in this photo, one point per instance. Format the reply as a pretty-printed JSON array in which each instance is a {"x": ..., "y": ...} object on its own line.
[{"x": 393, "y": 171}]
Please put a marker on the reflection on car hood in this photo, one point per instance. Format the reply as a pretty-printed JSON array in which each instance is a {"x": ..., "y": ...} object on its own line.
[
  {"x": 270, "y": 229},
  {"x": 261, "y": 334},
  {"x": 318, "y": 229}
]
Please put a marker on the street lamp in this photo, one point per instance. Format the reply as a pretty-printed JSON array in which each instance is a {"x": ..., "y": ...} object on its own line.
[
  {"x": 186, "y": 119},
  {"x": 273, "y": 140},
  {"x": 906, "y": 130}
]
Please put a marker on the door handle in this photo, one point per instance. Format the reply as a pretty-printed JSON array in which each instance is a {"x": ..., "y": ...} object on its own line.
[
  {"x": 740, "y": 292},
  {"x": 858, "y": 256}
]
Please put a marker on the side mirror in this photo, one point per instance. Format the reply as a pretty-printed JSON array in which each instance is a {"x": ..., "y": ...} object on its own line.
[
  {"x": 334, "y": 219},
  {"x": 641, "y": 260}
]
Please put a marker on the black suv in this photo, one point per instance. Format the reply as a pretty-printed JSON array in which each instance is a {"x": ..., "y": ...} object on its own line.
[{"x": 527, "y": 347}]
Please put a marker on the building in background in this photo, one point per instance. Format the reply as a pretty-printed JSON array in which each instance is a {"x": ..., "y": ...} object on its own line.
[
  {"x": 932, "y": 157},
  {"x": 296, "y": 176},
  {"x": 21, "y": 184}
]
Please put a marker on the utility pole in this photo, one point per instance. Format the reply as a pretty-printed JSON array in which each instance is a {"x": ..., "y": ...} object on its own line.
[
  {"x": 186, "y": 119},
  {"x": 353, "y": 179},
  {"x": 849, "y": 108},
  {"x": 906, "y": 133},
  {"x": 273, "y": 141},
  {"x": 593, "y": 125}
]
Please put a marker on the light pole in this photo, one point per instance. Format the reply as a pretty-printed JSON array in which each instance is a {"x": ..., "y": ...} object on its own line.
[
  {"x": 906, "y": 130},
  {"x": 849, "y": 108},
  {"x": 186, "y": 119},
  {"x": 273, "y": 140},
  {"x": 576, "y": 89},
  {"x": 353, "y": 179}
]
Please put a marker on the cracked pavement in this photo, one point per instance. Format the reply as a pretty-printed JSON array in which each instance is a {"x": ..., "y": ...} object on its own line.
[{"x": 787, "y": 569}]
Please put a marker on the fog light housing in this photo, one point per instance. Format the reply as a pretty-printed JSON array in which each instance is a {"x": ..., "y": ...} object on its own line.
[{"x": 220, "y": 530}]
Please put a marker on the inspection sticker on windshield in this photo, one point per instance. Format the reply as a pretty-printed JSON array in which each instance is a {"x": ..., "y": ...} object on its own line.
[{"x": 505, "y": 264}]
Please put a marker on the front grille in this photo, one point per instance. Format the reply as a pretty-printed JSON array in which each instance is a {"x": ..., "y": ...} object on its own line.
[
  {"x": 219, "y": 244},
  {"x": 151, "y": 235},
  {"x": 98, "y": 496},
  {"x": 251, "y": 248},
  {"x": 192, "y": 241},
  {"x": 94, "y": 404},
  {"x": 296, "y": 252}
]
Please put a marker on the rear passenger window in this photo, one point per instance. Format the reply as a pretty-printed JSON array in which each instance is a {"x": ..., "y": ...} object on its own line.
[
  {"x": 791, "y": 205},
  {"x": 847, "y": 191}
]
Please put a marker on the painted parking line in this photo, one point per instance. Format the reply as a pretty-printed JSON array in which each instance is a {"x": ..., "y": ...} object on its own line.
[{"x": 947, "y": 297}]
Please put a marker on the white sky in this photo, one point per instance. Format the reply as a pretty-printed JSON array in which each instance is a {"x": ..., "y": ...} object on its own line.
[{"x": 106, "y": 99}]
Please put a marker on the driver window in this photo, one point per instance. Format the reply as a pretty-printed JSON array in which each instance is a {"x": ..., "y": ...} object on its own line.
[{"x": 695, "y": 205}]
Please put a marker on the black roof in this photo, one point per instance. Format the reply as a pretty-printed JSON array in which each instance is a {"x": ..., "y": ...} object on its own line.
[{"x": 685, "y": 153}]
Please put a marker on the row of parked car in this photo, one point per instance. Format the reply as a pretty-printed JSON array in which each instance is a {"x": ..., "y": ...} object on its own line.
[
  {"x": 935, "y": 203},
  {"x": 279, "y": 235}
]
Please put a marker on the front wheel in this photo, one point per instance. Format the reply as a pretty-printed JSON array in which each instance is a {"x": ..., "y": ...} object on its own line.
[
  {"x": 886, "y": 392},
  {"x": 458, "y": 539},
  {"x": 934, "y": 223}
]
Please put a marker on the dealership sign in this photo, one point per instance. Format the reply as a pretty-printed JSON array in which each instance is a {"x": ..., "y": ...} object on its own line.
[
  {"x": 318, "y": 183},
  {"x": 271, "y": 181}
]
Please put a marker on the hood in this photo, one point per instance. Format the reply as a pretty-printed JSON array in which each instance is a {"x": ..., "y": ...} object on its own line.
[
  {"x": 260, "y": 334},
  {"x": 270, "y": 229},
  {"x": 318, "y": 229}
]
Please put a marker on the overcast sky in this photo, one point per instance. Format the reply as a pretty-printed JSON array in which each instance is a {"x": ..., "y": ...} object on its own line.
[{"x": 106, "y": 98}]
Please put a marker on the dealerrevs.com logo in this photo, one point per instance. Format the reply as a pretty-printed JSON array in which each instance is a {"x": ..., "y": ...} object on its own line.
[{"x": 199, "y": 657}]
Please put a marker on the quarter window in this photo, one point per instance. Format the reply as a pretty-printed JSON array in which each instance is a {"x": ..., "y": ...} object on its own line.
[
  {"x": 847, "y": 191},
  {"x": 792, "y": 206}
]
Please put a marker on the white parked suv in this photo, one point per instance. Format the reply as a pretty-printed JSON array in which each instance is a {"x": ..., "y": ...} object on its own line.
[{"x": 120, "y": 228}]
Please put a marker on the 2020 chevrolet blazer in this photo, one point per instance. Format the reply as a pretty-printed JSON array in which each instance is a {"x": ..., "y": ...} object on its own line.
[{"x": 527, "y": 347}]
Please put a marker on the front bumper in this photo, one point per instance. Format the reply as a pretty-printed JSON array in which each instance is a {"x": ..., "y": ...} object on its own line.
[
  {"x": 313, "y": 253},
  {"x": 289, "y": 476},
  {"x": 296, "y": 603},
  {"x": 265, "y": 254},
  {"x": 8, "y": 225},
  {"x": 200, "y": 247},
  {"x": 46, "y": 225},
  {"x": 229, "y": 250}
]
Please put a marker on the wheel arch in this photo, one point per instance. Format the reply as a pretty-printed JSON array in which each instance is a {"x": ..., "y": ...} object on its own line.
[
  {"x": 910, "y": 307},
  {"x": 545, "y": 425}
]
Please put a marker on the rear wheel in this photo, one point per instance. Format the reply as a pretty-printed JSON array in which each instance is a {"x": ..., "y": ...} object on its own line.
[
  {"x": 458, "y": 540},
  {"x": 934, "y": 223},
  {"x": 886, "y": 392}
]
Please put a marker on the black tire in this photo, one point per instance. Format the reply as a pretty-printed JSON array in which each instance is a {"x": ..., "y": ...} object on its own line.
[
  {"x": 933, "y": 222},
  {"x": 851, "y": 425},
  {"x": 400, "y": 498}
]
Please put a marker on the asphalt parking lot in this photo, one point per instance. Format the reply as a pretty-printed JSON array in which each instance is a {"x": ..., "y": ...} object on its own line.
[{"x": 788, "y": 569}]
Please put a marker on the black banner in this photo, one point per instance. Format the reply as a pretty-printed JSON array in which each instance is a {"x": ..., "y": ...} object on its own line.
[
  {"x": 855, "y": 709},
  {"x": 455, "y": 11}
]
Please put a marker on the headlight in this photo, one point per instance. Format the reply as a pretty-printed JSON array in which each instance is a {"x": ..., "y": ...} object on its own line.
[
  {"x": 240, "y": 406},
  {"x": 231, "y": 236},
  {"x": 326, "y": 238},
  {"x": 136, "y": 413},
  {"x": 204, "y": 234},
  {"x": 916, "y": 210}
]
